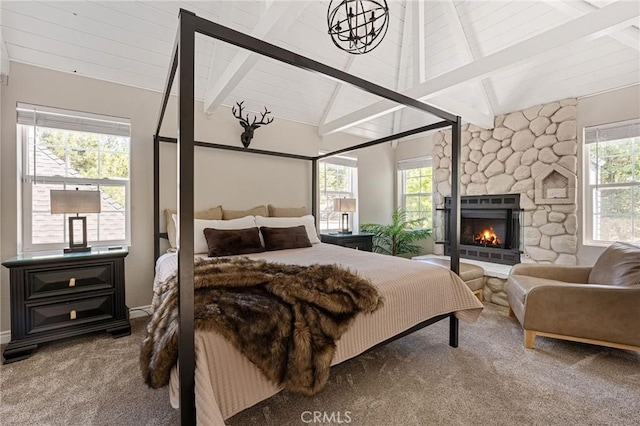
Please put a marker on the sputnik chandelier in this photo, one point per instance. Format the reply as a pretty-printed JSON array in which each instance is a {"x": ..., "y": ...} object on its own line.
[{"x": 357, "y": 26}]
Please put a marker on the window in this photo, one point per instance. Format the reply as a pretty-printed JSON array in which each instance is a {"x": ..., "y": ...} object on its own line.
[
  {"x": 612, "y": 184},
  {"x": 416, "y": 194},
  {"x": 71, "y": 150},
  {"x": 338, "y": 178}
]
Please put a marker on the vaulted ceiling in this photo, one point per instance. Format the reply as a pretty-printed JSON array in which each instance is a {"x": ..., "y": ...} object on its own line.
[{"x": 474, "y": 58}]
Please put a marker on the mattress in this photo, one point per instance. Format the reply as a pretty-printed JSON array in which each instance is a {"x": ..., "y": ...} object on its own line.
[{"x": 226, "y": 382}]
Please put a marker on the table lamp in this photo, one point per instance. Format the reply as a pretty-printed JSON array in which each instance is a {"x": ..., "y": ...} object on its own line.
[
  {"x": 75, "y": 201},
  {"x": 345, "y": 206}
]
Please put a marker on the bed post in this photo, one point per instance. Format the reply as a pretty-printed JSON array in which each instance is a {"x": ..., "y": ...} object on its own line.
[
  {"x": 454, "y": 229},
  {"x": 156, "y": 199},
  {"x": 453, "y": 330},
  {"x": 314, "y": 189},
  {"x": 186, "y": 348}
]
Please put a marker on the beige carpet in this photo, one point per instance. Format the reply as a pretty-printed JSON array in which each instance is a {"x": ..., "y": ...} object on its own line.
[{"x": 417, "y": 380}]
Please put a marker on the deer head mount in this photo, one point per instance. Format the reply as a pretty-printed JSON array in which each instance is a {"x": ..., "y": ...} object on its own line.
[{"x": 247, "y": 135}]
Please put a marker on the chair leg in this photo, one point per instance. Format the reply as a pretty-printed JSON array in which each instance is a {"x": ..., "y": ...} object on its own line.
[{"x": 529, "y": 337}]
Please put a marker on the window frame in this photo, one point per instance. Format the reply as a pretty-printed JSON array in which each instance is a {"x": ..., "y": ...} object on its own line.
[
  {"x": 589, "y": 189},
  {"x": 403, "y": 166},
  {"x": 28, "y": 180},
  {"x": 352, "y": 164}
]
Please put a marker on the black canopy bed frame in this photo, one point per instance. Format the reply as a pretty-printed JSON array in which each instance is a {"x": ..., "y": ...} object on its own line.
[{"x": 183, "y": 61}]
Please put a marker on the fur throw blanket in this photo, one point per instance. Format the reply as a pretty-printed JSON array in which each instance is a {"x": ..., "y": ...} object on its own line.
[{"x": 283, "y": 318}]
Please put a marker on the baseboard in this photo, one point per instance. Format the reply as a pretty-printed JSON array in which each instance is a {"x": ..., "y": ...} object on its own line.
[
  {"x": 137, "y": 312},
  {"x": 5, "y": 337},
  {"x": 140, "y": 311}
]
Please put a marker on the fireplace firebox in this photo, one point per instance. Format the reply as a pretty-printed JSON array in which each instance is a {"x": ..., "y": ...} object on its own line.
[{"x": 490, "y": 228}]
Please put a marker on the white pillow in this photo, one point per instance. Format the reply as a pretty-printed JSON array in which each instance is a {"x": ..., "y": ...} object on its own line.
[
  {"x": 200, "y": 242},
  {"x": 287, "y": 222}
]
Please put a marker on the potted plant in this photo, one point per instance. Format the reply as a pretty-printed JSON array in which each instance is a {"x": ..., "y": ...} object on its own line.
[{"x": 398, "y": 237}]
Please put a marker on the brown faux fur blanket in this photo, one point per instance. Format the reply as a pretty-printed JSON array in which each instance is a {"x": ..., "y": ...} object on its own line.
[{"x": 283, "y": 318}]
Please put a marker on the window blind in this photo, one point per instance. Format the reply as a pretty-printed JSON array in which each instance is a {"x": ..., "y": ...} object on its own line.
[
  {"x": 414, "y": 163},
  {"x": 612, "y": 132},
  {"x": 72, "y": 120}
]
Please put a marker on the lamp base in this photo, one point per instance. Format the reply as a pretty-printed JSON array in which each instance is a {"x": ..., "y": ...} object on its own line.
[
  {"x": 345, "y": 232},
  {"x": 77, "y": 249}
]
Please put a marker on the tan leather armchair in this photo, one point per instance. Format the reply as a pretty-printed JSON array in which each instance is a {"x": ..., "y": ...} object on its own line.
[{"x": 598, "y": 305}]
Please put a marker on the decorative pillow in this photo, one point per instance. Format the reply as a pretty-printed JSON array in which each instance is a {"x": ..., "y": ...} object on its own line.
[
  {"x": 236, "y": 214},
  {"x": 286, "y": 211},
  {"x": 287, "y": 222},
  {"x": 199, "y": 225},
  {"x": 214, "y": 213},
  {"x": 285, "y": 238},
  {"x": 618, "y": 265},
  {"x": 228, "y": 242}
]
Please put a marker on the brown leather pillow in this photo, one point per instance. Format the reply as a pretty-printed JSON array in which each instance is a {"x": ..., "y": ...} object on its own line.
[
  {"x": 618, "y": 265},
  {"x": 285, "y": 238},
  {"x": 227, "y": 242}
]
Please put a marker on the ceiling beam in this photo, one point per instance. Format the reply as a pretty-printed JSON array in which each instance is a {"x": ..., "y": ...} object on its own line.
[
  {"x": 336, "y": 91},
  {"x": 629, "y": 36},
  {"x": 596, "y": 24},
  {"x": 417, "y": 27},
  {"x": 276, "y": 21},
  {"x": 402, "y": 67},
  {"x": 464, "y": 50},
  {"x": 224, "y": 17}
]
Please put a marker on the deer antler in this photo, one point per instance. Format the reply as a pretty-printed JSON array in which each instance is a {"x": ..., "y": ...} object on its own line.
[
  {"x": 243, "y": 121},
  {"x": 262, "y": 122}
]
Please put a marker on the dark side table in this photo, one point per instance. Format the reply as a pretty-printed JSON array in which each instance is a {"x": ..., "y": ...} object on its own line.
[
  {"x": 358, "y": 241},
  {"x": 56, "y": 295}
]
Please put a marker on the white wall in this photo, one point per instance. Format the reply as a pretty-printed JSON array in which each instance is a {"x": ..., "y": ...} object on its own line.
[
  {"x": 375, "y": 184},
  {"x": 618, "y": 105},
  {"x": 234, "y": 180},
  {"x": 414, "y": 148}
]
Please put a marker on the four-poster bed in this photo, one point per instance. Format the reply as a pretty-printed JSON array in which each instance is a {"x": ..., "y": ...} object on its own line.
[{"x": 183, "y": 61}]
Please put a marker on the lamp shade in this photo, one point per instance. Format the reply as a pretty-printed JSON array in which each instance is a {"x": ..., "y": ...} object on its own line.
[
  {"x": 75, "y": 201},
  {"x": 344, "y": 204}
]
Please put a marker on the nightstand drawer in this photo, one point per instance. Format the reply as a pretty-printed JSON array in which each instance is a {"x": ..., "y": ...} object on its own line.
[
  {"x": 358, "y": 245},
  {"x": 59, "y": 281},
  {"x": 360, "y": 241},
  {"x": 59, "y": 315}
]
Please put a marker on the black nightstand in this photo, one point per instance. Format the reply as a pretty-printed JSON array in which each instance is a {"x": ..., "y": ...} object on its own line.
[
  {"x": 56, "y": 295},
  {"x": 361, "y": 241}
]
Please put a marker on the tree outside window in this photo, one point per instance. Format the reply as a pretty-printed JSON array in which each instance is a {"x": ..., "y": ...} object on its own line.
[
  {"x": 416, "y": 193},
  {"x": 613, "y": 186},
  {"x": 337, "y": 179},
  {"x": 59, "y": 158}
]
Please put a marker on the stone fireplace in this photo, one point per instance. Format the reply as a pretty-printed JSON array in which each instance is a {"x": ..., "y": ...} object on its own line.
[
  {"x": 530, "y": 153},
  {"x": 490, "y": 228}
]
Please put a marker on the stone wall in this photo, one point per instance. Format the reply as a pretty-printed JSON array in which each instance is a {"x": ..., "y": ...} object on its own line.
[{"x": 523, "y": 149}]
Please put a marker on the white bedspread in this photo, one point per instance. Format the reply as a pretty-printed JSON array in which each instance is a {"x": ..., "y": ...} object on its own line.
[{"x": 227, "y": 383}]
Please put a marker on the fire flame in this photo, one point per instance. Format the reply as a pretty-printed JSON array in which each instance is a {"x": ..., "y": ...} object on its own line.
[{"x": 487, "y": 237}]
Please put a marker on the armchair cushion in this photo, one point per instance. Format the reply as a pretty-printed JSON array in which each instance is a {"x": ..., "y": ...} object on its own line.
[
  {"x": 619, "y": 265},
  {"x": 519, "y": 286}
]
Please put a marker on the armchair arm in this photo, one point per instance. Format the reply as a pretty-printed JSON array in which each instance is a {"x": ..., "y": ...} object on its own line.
[
  {"x": 568, "y": 274},
  {"x": 590, "y": 311}
]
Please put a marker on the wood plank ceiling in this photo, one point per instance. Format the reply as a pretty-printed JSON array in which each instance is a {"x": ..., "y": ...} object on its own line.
[{"x": 473, "y": 58}]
